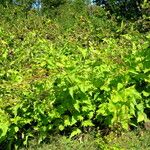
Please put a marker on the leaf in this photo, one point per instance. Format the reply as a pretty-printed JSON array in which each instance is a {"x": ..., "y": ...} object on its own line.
[
  {"x": 146, "y": 94},
  {"x": 73, "y": 120},
  {"x": 127, "y": 36},
  {"x": 83, "y": 52},
  {"x": 26, "y": 140},
  {"x": 140, "y": 107},
  {"x": 16, "y": 129},
  {"x": 75, "y": 132},
  {"x": 4, "y": 124},
  {"x": 103, "y": 109},
  {"x": 3, "y": 130},
  {"x": 141, "y": 116},
  {"x": 132, "y": 109},
  {"x": 61, "y": 127},
  {"x": 87, "y": 123},
  {"x": 80, "y": 118},
  {"x": 71, "y": 91},
  {"x": 90, "y": 114},
  {"x": 115, "y": 98},
  {"x": 77, "y": 106},
  {"x": 69, "y": 121},
  {"x": 119, "y": 86},
  {"x": 125, "y": 125}
]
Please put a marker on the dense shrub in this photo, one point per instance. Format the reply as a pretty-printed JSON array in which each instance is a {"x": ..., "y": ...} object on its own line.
[{"x": 95, "y": 74}]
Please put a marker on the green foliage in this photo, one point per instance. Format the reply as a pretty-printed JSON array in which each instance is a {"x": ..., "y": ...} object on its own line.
[
  {"x": 126, "y": 9},
  {"x": 137, "y": 140},
  {"x": 68, "y": 79}
]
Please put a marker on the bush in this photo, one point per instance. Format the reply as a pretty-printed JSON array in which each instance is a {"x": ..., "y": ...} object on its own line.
[{"x": 94, "y": 75}]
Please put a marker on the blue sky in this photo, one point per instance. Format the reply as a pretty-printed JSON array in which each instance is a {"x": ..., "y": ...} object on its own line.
[{"x": 37, "y": 4}]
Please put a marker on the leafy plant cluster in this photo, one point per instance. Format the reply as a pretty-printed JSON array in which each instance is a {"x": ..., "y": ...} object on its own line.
[
  {"x": 131, "y": 9},
  {"x": 57, "y": 78}
]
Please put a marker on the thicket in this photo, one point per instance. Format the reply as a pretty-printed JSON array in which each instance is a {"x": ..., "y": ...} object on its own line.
[
  {"x": 81, "y": 70},
  {"x": 129, "y": 9}
]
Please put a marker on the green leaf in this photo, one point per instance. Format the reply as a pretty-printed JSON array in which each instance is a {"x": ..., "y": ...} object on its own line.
[
  {"x": 4, "y": 124},
  {"x": 115, "y": 98},
  {"x": 140, "y": 107},
  {"x": 16, "y": 129},
  {"x": 119, "y": 86},
  {"x": 83, "y": 52},
  {"x": 80, "y": 117},
  {"x": 71, "y": 91},
  {"x": 77, "y": 106},
  {"x": 105, "y": 88},
  {"x": 103, "y": 109},
  {"x": 75, "y": 132},
  {"x": 125, "y": 125},
  {"x": 61, "y": 127},
  {"x": 141, "y": 116},
  {"x": 3, "y": 130},
  {"x": 26, "y": 140},
  {"x": 146, "y": 94},
  {"x": 87, "y": 123}
]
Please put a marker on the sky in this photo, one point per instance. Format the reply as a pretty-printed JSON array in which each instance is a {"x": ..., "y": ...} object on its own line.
[{"x": 36, "y": 5}]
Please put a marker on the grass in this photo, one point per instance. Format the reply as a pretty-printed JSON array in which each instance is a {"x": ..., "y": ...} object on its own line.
[
  {"x": 137, "y": 140},
  {"x": 134, "y": 140}
]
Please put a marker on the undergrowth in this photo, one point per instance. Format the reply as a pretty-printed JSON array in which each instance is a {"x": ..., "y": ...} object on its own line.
[{"x": 68, "y": 76}]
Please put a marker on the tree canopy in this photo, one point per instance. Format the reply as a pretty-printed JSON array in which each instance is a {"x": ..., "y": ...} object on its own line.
[{"x": 129, "y": 9}]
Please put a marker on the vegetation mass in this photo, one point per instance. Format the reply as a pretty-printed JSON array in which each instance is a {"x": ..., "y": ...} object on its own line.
[{"x": 72, "y": 68}]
